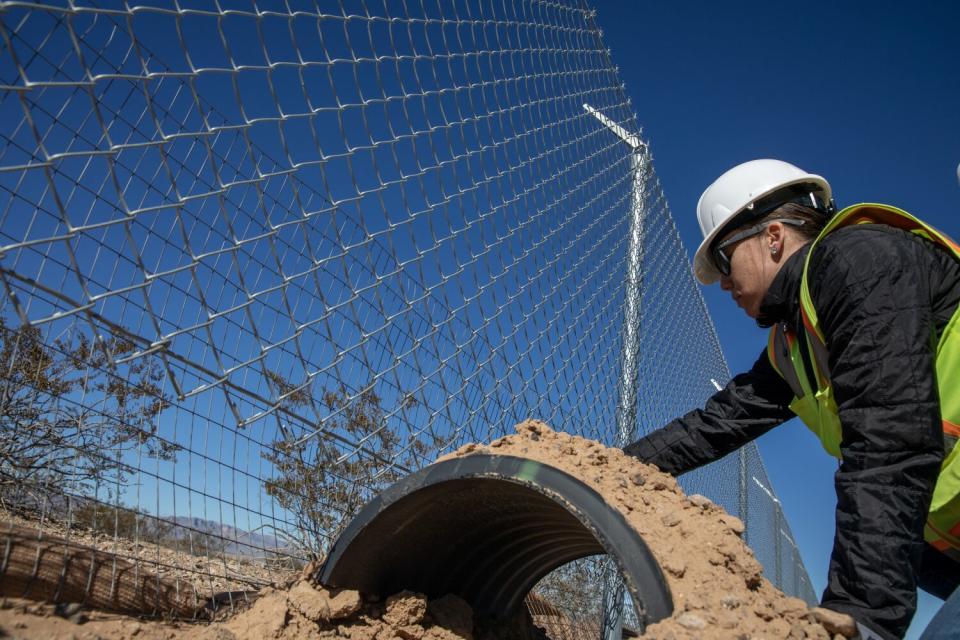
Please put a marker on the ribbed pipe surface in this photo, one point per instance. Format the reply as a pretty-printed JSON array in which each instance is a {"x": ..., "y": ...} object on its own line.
[{"x": 488, "y": 528}]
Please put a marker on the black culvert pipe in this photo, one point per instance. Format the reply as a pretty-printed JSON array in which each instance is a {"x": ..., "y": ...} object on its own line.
[{"x": 488, "y": 528}]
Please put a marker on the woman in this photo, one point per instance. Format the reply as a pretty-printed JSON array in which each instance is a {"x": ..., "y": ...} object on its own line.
[{"x": 864, "y": 343}]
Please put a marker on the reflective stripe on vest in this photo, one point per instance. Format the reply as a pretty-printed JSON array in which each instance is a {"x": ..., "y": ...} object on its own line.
[{"x": 815, "y": 404}]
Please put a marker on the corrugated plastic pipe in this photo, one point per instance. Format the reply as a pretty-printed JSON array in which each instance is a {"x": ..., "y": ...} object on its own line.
[{"x": 488, "y": 528}]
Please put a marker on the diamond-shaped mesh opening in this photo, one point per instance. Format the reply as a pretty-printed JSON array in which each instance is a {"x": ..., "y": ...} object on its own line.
[{"x": 277, "y": 255}]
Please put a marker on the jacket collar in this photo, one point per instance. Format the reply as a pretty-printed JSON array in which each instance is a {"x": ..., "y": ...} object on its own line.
[{"x": 782, "y": 300}]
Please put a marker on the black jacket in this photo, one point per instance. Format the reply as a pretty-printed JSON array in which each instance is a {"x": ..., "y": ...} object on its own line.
[{"x": 883, "y": 297}]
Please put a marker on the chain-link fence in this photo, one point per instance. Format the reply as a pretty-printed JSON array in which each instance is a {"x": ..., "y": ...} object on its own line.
[{"x": 261, "y": 258}]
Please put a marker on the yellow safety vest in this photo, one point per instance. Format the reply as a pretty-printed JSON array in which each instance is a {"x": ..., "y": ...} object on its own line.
[{"x": 813, "y": 399}]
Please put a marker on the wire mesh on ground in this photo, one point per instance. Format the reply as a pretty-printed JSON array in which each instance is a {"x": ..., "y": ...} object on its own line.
[{"x": 260, "y": 259}]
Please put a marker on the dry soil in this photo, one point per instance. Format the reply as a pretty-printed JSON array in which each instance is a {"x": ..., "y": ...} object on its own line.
[{"x": 717, "y": 586}]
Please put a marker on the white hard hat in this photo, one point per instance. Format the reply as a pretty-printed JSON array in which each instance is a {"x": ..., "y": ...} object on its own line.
[{"x": 738, "y": 191}]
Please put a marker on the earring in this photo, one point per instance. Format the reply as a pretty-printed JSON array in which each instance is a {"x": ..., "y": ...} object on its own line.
[{"x": 774, "y": 250}]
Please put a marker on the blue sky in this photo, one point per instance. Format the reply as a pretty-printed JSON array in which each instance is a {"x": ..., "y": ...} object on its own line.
[
  {"x": 458, "y": 249},
  {"x": 866, "y": 94}
]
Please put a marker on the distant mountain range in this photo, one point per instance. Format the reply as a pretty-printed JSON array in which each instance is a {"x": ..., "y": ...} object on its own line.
[
  {"x": 219, "y": 537},
  {"x": 233, "y": 541}
]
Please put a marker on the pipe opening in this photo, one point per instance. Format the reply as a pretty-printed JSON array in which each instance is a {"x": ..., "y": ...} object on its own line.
[{"x": 488, "y": 529}]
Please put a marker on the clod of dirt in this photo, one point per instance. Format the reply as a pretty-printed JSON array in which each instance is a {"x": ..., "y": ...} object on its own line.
[
  {"x": 835, "y": 622},
  {"x": 308, "y": 612},
  {"x": 320, "y": 605},
  {"x": 405, "y": 608},
  {"x": 452, "y": 613}
]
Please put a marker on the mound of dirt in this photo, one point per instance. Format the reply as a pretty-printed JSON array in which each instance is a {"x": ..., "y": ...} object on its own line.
[
  {"x": 716, "y": 582},
  {"x": 303, "y": 611},
  {"x": 718, "y": 590}
]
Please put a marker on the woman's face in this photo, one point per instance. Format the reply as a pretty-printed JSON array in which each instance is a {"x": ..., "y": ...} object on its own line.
[{"x": 753, "y": 266}]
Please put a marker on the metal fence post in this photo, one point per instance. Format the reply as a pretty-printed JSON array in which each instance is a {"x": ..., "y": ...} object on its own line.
[
  {"x": 796, "y": 570},
  {"x": 613, "y": 590},
  {"x": 777, "y": 545},
  {"x": 744, "y": 503},
  {"x": 742, "y": 489}
]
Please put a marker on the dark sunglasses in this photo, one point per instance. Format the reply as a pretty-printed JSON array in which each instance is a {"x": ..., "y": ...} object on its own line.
[{"x": 722, "y": 260}]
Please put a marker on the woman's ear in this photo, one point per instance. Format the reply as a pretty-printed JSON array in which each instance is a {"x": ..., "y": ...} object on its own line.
[{"x": 775, "y": 233}]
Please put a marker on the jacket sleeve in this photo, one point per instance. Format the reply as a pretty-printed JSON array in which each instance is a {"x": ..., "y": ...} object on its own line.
[
  {"x": 751, "y": 404},
  {"x": 874, "y": 306}
]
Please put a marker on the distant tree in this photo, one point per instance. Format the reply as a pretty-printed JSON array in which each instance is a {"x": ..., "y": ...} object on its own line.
[
  {"x": 320, "y": 485},
  {"x": 69, "y": 413}
]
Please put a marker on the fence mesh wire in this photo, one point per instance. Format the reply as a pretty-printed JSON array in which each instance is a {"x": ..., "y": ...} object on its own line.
[{"x": 261, "y": 258}]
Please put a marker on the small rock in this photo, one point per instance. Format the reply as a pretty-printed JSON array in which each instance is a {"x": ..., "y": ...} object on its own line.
[
  {"x": 638, "y": 479},
  {"x": 534, "y": 427},
  {"x": 672, "y": 519},
  {"x": 499, "y": 442},
  {"x": 691, "y": 621},
  {"x": 698, "y": 500},
  {"x": 67, "y": 609},
  {"x": 730, "y": 601},
  {"x": 660, "y": 484},
  {"x": 623, "y": 484}
]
